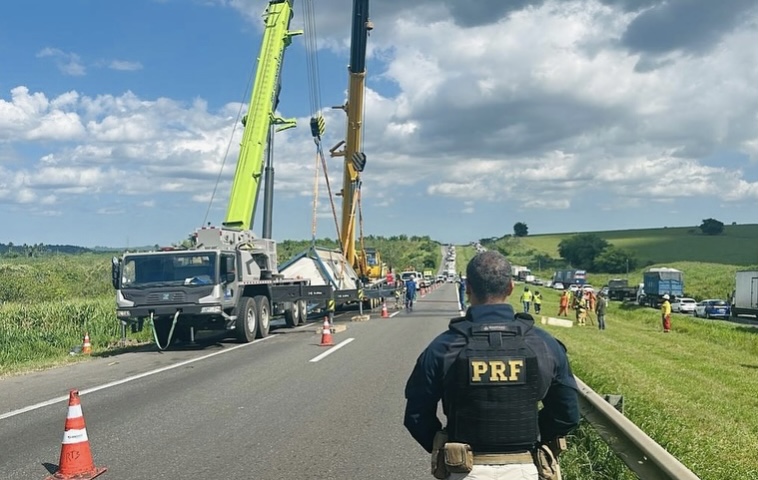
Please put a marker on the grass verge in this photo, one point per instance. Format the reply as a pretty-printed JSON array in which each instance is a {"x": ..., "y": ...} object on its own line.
[{"x": 694, "y": 390}]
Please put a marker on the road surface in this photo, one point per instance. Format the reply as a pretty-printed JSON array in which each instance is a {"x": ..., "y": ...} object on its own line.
[{"x": 273, "y": 409}]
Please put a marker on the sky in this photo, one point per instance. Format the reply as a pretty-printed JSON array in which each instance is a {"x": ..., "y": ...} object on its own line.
[{"x": 117, "y": 119}]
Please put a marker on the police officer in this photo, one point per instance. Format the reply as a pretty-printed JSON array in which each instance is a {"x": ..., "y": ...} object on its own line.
[{"x": 490, "y": 369}]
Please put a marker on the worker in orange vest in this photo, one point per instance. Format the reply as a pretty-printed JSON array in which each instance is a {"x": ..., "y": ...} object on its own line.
[{"x": 564, "y": 304}]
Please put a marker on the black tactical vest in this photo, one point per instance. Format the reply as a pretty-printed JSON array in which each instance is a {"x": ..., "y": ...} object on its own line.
[{"x": 492, "y": 388}]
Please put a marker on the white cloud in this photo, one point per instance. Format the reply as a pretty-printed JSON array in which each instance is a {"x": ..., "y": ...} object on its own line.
[
  {"x": 125, "y": 65},
  {"x": 68, "y": 63}
]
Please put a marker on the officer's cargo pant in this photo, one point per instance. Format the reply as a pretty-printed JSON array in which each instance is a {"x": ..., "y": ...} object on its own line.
[{"x": 524, "y": 471}]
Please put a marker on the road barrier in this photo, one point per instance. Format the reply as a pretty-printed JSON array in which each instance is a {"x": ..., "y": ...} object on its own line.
[{"x": 639, "y": 452}]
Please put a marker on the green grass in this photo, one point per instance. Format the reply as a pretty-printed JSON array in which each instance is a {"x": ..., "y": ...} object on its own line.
[
  {"x": 738, "y": 245},
  {"x": 694, "y": 391},
  {"x": 40, "y": 335}
]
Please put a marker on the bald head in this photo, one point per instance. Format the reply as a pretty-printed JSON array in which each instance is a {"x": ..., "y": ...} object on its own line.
[{"x": 488, "y": 278}]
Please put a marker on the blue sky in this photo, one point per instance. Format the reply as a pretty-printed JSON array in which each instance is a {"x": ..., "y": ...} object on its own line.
[{"x": 573, "y": 115}]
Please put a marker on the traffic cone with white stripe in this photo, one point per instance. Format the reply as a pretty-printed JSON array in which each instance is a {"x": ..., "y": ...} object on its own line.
[
  {"x": 326, "y": 334},
  {"x": 385, "y": 313},
  {"x": 76, "y": 457}
]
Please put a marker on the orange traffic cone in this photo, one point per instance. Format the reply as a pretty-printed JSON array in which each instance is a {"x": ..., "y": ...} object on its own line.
[
  {"x": 326, "y": 334},
  {"x": 385, "y": 313},
  {"x": 86, "y": 347},
  {"x": 76, "y": 458}
]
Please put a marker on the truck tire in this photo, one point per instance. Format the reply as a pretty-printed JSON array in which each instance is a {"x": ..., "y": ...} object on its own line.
[
  {"x": 302, "y": 311},
  {"x": 292, "y": 315},
  {"x": 247, "y": 320},
  {"x": 264, "y": 316}
]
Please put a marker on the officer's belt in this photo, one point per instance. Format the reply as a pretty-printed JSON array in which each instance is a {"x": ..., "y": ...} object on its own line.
[{"x": 514, "y": 458}]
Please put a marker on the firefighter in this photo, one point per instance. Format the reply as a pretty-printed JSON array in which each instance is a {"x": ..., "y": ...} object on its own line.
[
  {"x": 490, "y": 369},
  {"x": 666, "y": 314},
  {"x": 581, "y": 309}
]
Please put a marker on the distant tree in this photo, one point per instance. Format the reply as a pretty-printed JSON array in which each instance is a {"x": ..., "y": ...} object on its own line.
[
  {"x": 581, "y": 250},
  {"x": 711, "y": 226},
  {"x": 614, "y": 260},
  {"x": 520, "y": 229}
]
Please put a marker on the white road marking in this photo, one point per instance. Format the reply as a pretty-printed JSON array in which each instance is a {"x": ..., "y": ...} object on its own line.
[
  {"x": 394, "y": 314},
  {"x": 332, "y": 350},
  {"x": 86, "y": 391}
]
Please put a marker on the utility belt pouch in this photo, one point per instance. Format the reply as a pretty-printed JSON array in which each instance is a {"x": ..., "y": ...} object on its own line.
[
  {"x": 439, "y": 469},
  {"x": 547, "y": 465},
  {"x": 458, "y": 457}
]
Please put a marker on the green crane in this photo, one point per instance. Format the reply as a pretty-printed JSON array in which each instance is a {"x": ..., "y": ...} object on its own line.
[{"x": 261, "y": 115}]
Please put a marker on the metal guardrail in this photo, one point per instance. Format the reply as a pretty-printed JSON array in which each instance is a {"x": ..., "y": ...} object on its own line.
[{"x": 639, "y": 452}]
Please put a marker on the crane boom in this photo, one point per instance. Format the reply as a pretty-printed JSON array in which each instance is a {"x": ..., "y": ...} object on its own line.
[
  {"x": 355, "y": 159},
  {"x": 261, "y": 114}
]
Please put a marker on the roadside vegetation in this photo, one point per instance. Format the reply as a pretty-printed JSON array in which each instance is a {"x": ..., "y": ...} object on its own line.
[{"x": 693, "y": 391}]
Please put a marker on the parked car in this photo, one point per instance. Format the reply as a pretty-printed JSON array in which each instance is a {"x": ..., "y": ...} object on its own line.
[
  {"x": 683, "y": 305},
  {"x": 588, "y": 288},
  {"x": 573, "y": 288},
  {"x": 713, "y": 308},
  {"x": 558, "y": 285}
]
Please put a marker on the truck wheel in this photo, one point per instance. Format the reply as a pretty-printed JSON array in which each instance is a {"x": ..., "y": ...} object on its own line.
[
  {"x": 264, "y": 316},
  {"x": 292, "y": 315},
  {"x": 247, "y": 320},
  {"x": 302, "y": 311}
]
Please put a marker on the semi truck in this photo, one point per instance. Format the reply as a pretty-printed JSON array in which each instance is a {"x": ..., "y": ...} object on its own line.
[
  {"x": 657, "y": 282},
  {"x": 567, "y": 277},
  {"x": 619, "y": 289},
  {"x": 744, "y": 299},
  {"x": 229, "y": 279}
]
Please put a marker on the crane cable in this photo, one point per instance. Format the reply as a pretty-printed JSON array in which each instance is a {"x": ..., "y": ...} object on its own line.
[{"x": 317, "y": 123}]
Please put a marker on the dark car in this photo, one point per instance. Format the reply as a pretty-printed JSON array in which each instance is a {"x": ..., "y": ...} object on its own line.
[{"x": 713, "y": 308}]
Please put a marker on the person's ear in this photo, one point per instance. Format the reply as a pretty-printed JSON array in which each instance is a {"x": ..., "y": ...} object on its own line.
[{"x": 509, "y": 290}]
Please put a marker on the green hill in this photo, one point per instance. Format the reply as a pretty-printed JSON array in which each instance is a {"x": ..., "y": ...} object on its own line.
[{"x": 737, "y": 245}]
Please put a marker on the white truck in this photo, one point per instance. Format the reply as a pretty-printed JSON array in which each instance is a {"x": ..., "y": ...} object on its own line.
[{"x": 745, "y": 297}]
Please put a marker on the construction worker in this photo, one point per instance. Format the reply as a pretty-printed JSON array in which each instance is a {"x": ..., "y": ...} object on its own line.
[
  {"x": 666, "y": 314},
  {"x": 410, "y": 292},
  {"x": 564, "y": 304},
  {"x": 537, "y": 302},
  {"x": 462, "y": 293},
  {"x": 526, "y": 299},
  {"x": 491, "y": 369}
]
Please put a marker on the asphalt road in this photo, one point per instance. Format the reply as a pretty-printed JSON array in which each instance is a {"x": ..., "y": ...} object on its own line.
[{"x": 263, "y": 410}]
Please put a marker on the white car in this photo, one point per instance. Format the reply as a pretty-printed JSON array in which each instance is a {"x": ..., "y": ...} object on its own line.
[
  {"x": 558, "y": 286},
  {"x": 588, "y": 288},
  {"x": 683, "y": 305}
]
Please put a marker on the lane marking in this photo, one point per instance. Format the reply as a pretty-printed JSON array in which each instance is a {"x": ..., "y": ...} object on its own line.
[
  {"x": 115, "y": 383},
  {"x": 394, "y": 314},
  {"x": 331, "y": 350}
]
